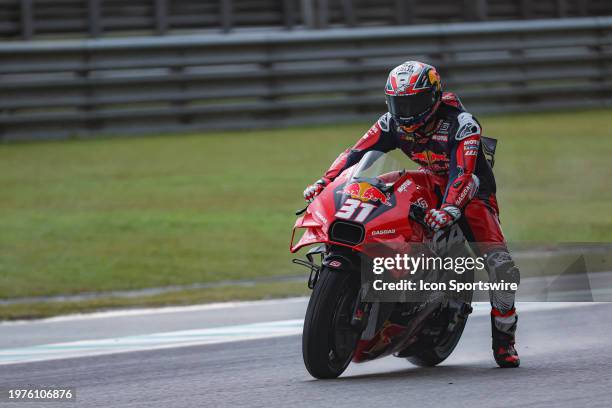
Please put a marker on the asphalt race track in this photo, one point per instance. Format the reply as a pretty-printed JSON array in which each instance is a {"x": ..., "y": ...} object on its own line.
[{"x": 565, "y": 351}]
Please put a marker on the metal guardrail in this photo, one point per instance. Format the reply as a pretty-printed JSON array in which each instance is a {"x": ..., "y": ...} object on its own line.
[
  {"x": 27, "y": 19},
  {"x": 61, "y": 89}
]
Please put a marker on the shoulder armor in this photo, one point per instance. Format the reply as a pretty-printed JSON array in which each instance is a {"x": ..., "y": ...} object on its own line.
[
  {"x": 468, "y": 126},
  {"x": 385, "y": 122}
]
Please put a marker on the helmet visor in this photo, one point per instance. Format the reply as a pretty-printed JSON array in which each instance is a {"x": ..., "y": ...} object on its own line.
[{"x": 409, "y": 106}]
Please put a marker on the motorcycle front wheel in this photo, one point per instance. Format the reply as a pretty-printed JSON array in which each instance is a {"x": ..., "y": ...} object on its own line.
[{"x": 328, "y": 339}]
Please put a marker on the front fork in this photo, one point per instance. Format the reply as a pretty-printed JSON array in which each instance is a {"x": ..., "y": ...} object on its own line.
[
  {"x": 361, "y": 313},
  {"x": 333, "y": 260}
]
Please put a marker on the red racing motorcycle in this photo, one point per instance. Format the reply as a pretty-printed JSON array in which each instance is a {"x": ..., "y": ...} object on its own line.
[{"x": 376, "y": 202}]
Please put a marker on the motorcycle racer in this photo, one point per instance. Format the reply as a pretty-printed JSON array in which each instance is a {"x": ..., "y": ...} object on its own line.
[{"x": 433, "y": 128}]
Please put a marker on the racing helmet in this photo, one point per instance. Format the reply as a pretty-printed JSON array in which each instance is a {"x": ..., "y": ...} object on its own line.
[{"x": 413, "y": 93}]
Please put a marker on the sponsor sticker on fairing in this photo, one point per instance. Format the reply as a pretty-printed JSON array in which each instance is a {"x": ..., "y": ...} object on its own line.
[
  {"x": 321, "y": 217},
  {"x": 383, "y": 232},
  {"x": 404, "y": 186},
  {"x": 364, "y": 191},
  {"x": 421, "y": 202}
]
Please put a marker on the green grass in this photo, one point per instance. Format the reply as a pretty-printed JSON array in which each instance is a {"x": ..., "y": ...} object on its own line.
[
  {"x": 554, "y": 176},
  {"x": 185, "y": 297},
  {"x": 112, "y": 214}
]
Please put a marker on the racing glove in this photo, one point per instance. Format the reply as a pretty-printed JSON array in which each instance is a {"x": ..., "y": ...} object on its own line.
[
  {"x": 442, "y": 218},
  {"x": 314, "y": 190}
]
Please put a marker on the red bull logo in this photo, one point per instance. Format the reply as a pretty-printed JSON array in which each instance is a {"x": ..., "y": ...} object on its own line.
[
  {"x": 366, "y": 192},
  {"x": 428, "y": 156}
]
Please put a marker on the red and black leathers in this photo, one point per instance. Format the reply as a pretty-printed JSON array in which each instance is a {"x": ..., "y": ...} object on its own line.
[{"x": 448, "y": 147}]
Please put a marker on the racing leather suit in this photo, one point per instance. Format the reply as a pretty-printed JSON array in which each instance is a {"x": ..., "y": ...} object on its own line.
[{"x": 448, "y": 146}]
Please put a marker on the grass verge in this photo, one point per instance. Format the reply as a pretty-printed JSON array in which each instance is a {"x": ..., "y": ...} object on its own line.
[
  {"x": 187, "y": 297},
  {"x": 131, "y": 213}
]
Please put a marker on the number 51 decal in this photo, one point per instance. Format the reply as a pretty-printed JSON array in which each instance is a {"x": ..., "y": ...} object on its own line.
[{"x": 355, "y": 209}]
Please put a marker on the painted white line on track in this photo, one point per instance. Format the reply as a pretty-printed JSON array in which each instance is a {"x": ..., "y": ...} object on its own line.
[
  {"x": 153, "y": 341},
  {"x": 204, "y": 336}
]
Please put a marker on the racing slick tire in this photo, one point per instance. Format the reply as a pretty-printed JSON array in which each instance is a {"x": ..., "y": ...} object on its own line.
[
  {"x": 328, "y": 339},
  {"x": 435, "y": 350}
]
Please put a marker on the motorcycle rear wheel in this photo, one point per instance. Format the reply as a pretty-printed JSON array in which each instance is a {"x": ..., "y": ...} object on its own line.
[
  {"x": 442, "y": 347},
  {"x": 328, "y": 339},
  {"x": 434, "y": 355}
]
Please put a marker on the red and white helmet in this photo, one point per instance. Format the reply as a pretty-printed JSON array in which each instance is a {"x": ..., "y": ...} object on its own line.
[{"x": 413, "y": 93}]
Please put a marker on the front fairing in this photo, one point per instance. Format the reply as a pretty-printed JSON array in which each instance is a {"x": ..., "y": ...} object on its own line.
[{"x": 375, "y": 194}]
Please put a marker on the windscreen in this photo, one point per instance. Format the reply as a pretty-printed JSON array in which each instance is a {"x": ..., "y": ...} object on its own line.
[{"x": 377, "y": 166}]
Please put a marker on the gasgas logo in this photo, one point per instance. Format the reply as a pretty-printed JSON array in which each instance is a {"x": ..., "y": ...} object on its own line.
[{"x": 366, "y": 192}]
